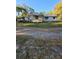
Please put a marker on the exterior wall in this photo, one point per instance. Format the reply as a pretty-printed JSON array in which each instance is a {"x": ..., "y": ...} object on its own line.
[
  {"x": 26, "y": 19},
  {"x": 50, "y": 19},
  {"x": 39, "y": 19}
]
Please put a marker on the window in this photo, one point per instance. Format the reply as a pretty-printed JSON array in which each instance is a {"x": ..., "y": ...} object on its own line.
[
  {"x": 46, "y": 17},
  {"x": 53, "y": 17},
  {"x": 36, "y": 17}
]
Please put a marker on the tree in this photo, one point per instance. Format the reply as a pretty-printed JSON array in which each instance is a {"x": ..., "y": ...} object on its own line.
[
  {"x": 51, "y": 12},
  {"x": 43, "y": 12},
  {"x": 58, "y": 11},
  {"x": 31, "y": 10},
  {"x": 24, "y": 10},
  {"x": 20, "y": 9}
]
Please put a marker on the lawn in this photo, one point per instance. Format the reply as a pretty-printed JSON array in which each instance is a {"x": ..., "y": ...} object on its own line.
[
  {"x": 40, "y": 25},
  {"x": 29, "y": 47}
]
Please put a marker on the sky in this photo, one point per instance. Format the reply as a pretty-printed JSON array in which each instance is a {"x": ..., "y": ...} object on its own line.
[{"x": 39, "y": 5}]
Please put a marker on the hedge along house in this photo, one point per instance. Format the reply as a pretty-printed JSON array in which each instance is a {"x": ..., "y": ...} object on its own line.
[{"x": 49, "y": 18}]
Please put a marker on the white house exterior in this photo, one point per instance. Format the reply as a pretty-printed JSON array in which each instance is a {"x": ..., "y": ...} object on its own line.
[{"x": 50, "y": 18}]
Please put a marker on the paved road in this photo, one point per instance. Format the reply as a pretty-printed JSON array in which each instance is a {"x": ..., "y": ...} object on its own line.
[{"x": 45, "y": 33}]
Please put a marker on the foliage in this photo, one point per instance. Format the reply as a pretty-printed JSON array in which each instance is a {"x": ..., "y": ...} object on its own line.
[
  {"x": 51, "y": 12},
  {"x": 20, "y": 9},
  {"x": 31, "y": 10},
  {"x": 24, "y": 14},
  {"x": 58, "y": 11},
  {"x": 23, "y": 11},
  {"x": 43, "y": 13}
]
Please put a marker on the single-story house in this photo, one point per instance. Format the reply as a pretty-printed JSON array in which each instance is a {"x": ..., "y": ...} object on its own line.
[
  {"x": 36, "y": 17},
  {"x": 50, "y": 18}
]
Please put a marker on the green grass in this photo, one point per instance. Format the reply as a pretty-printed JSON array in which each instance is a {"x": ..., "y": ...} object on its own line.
[
  {"x": 41, "y": 25},
  {"x": 22, "y": 39},
  {"x": 44, "y": 48}
]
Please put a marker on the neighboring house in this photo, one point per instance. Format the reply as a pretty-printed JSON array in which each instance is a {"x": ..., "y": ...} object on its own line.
[{"x": 50, "y": 18}]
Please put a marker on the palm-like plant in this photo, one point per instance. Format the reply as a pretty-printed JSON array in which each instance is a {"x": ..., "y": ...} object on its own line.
[
  {"x": 20, "y": 9},
  {"x": 24, "y": 10}
]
